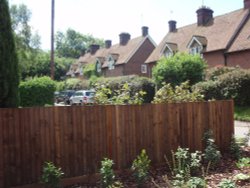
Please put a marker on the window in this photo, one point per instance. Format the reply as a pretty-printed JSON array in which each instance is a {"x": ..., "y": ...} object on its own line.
[
  {"x": 143, "y": 68},
  {"x": 111, "y": 63},
  {"x": 98, "y": 66},
  {"x": 195, "y": 50},
  {"x": 168, "y": 53}
]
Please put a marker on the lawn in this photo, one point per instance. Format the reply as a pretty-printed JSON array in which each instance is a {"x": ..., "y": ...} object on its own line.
[{"x": 242, "y": 113}]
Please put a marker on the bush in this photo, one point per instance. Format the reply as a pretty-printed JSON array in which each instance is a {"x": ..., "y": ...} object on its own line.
[
  {"x": 37, "y": 92},
  {"x": 180, "y": 93},
  {"x": 89, "y": 70},
  {"x": 234, "y": 84},
  {"x": 179, "y": 68},
  {"x": 76, "y": 84},
  {"x": 215, "y": 72},
  {"x": 107, "y": 173},
  {"x": 136, "y": 84}
]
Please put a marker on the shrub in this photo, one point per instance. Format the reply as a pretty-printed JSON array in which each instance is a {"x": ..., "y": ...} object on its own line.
[
  {"x": 235, "y": 148},
  {"x": 51, "y": 175},
  {"x": 226, "y": 183},
  {"x": 37, "y": 92},
  {"x": 180, "y": 93},
  {"x": 141, "y": 166},
  {"x": 107, "y": 173},
  {"x": 211, "y": 153},
  {"x": 179, "y": 68},
  {"x": 215, "y": 72},
  {"x": 76, "y": 84},
  {"x": 89, "y": 70},
  {"x": 135, "y": 83}
]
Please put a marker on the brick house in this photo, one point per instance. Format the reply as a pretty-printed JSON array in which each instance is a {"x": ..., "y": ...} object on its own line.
[
  {"x": 222, "y": 40},
  {"x": 125, "y": 58}
]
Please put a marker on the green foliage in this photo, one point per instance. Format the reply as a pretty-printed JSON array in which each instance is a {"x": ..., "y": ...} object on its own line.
[
  {"x": 141, "y": 167},
  {"x": 51, "y": 175},
  {"x": 241, "y": 177},
  {"x": 214, "y": 73},
  {"x": 242, "y": 113},
  {"x": 243, "y": 162},
  {"x": 211, "y": 152},
  {"x": 71, "y": 43},
  {"x": 37, "y": 92},
  {"x": 184, "y": 165},
  {"x": 226, "y": 183},
  {"x": 181, "y": 93},
  {"x": 136, "y": 85},
  {"x": 107, "y": 173},
  {"x": 235, "y": 148},
  {"x": 75, "y": 84},
  {"x": 89, "y": 70},
  {"x": 234, "y": 84},
  {"x": 179, "y": 68},
  {"x": 9, "y": 77}
]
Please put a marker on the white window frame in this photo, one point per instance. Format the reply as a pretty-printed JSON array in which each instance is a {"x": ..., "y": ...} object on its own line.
[
  {"x": 144, "y": 69},
  {"x": 98, "y": 66},
  {"x": 111, "y": 63}
]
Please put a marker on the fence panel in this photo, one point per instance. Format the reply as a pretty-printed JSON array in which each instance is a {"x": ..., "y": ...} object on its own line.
[{"x": 77, "y": 138}]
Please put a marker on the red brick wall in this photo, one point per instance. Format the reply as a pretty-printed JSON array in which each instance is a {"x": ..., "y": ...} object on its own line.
[
  {"x": 241, "y": 59},
  {"x": 134, "y": 64},
  {"x": 215, "y": 58},
  {"x": 118, "y": 71}
]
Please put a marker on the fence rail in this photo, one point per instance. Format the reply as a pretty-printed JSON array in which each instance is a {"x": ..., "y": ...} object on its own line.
[{"x": 77, "y": 138}]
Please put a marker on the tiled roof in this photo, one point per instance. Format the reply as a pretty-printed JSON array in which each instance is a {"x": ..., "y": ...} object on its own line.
[
  {"x": 242, "y": 41},
  {"x": 218, "y": 34}
]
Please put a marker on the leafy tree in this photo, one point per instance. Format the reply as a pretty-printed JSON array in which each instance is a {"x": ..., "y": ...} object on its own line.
[
  {"x": 72, "y": 43},
  {"x": 179, "y": 68},
  {"x": 9, "y": 78}
]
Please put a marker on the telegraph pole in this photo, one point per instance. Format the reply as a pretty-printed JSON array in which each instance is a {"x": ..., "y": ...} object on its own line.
[{"x": 52, "y": 54}]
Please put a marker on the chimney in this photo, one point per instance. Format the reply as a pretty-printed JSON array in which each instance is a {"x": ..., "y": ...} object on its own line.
[
  {"x": 172, "y": 26},
  {"x": 144, "y": 31},
  {"x": 108, "y": 43},
  {"x": 204, "y": 15},
  {"x": 124, "y": 38},
  {"x": 246, "y": 4},
  {"x": 93, "y": 48}
]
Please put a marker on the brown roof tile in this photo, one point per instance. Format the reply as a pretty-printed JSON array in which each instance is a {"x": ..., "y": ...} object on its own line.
[{"x": 218, "y": 34}]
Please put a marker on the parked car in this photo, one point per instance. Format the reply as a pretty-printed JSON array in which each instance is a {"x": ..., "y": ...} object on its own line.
[
  {"x": 64, "y": 96},
  {"x": 82, "y": 97}
]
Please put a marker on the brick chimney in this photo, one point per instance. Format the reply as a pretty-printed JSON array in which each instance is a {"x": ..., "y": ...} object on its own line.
[
  {"x": 124, "y": 38},
  {"x": 108, "y": 43},
  {"x": 144, "y": 31},
  {"x": 93, "y": 48},
  {"x": 204, "y": 15},
  {"x": 172, "y": 26},
  {"x": 246, "y": 4}
]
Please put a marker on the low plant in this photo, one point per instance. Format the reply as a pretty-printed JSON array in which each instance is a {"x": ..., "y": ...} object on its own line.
[
  {"x": 243, "y": 162},
  {"x": 235, "y": 148},
  {"x": 211, "y": 152},
  {"x": 52, "y": 175},
  {"x": 141, "y": 167},
  {"x": 241, "y": 177},
  {"x": 226, "y": 183},
  {"x": 107, "y": 173}
]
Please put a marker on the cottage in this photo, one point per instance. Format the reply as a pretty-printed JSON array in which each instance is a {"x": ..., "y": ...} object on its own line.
[
  {"x": 222, "y": 41},
  {"x": 125, "y": 58}
]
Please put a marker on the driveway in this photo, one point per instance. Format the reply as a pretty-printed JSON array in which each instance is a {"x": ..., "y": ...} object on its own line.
[{"x": 241, "y": 129}]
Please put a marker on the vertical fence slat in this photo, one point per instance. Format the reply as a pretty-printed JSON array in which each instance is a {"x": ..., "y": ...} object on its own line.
[{"x": 2, "y": 178}]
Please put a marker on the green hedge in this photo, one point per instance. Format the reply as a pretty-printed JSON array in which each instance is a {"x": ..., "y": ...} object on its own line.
[
  {"x": 136, "y": 84},
  {"x": 37, "y": 92},
  {"x": 233, "y": 84}
]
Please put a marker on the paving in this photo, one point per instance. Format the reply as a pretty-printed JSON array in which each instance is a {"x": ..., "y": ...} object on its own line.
[{"x": 241, "y": 129}]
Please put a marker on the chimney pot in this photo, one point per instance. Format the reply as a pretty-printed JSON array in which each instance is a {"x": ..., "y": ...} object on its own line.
[
  {"x": 204, "y": 15},
  {"x": 124, "y": 38},
  {"x": 144, "y": 31},
  {"x": 108, "y": 43},
  {"x": 94, "y": 48},
  {"x": 246, "y": 4},
  {"x": 172, "y": 26}
]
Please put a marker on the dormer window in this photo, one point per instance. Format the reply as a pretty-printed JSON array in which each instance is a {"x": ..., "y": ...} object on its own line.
[
  {"x": 111, "y": 63},
  {"x": 169, "y": 50},
  {"x": 98, "y": 66},
  {"x": 197, "y": 45}
]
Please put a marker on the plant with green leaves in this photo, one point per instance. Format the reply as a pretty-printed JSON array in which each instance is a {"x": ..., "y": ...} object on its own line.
[
  {"x": 107, "y": 173},
  {"x": 184, "y": 165},
  {"x": 226, "y": 183},
  {"x": 141, "y": 167},
  {"x": 243, "y": 162},
  {"x": 52, "y": 175},
  {"x": 235, "y": 148},
  {"x": 182, "y": 93},
  {"x": 241, "y": 177},
  {"x": 211, "y": 153}
]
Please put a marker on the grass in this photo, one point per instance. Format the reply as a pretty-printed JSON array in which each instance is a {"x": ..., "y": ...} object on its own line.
[{"x": 242, "y": 113}]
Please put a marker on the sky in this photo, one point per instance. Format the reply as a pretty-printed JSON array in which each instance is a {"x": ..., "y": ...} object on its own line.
[{"x": 106, "y": 19}]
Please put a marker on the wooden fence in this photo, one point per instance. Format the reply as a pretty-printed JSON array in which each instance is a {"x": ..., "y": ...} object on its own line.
[{"x": 77, "y": 138}]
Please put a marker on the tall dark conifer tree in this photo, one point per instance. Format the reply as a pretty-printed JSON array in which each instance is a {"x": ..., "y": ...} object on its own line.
[{"x": 9, "y": 76}]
